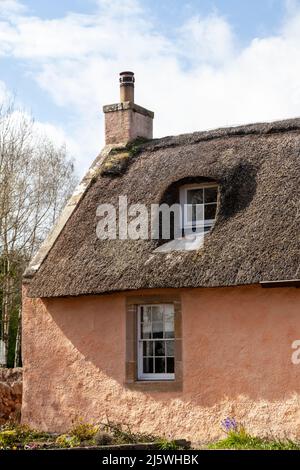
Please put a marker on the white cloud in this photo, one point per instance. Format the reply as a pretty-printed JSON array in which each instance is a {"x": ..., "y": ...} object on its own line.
[
  {"x": 107, "y": 34},
  {"x": 120, "y": 7},
  {"x": 9, "y": 7},
  {"x": 291, "y": 6},
  {"x": 207, "y": 39},
  {"x": 199, "y": 80}
]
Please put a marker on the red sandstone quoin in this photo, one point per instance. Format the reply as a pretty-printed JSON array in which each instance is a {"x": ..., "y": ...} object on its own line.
[{"x": 168, "y": 337}]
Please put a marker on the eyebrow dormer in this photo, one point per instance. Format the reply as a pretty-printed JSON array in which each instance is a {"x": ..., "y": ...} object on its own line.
[
  {"x": 195, "y": 202},
  {"x": 199, "y": 207}
]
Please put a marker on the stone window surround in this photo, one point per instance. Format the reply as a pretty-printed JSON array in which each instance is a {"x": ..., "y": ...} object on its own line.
[{"x": 131, "y": 380}]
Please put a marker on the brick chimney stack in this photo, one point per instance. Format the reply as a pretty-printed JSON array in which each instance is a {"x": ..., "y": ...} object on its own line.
[{"x": 126, "y": 121}]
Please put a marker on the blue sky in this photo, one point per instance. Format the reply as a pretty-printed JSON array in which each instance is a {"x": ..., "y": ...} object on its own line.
[
  {"x": 250, "y": 18},
  {"x": 199, "y": 63}
]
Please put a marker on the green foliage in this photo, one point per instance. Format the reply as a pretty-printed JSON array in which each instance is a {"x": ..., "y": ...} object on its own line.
[
  {"x": 164, "y": 444},
  {"x": 7, "y": 439},
  {"x": 134, "y": 147},
  {"x": 119, "y": 159},
  {"x": 240, "y": 439},
  {"x": 115, "y": 163},
  {"x": 64, "y": 441},
  {"x": 15, "y": 435},
  {"x": 84, "y": 431},
  {"x": 122, "y": 434}
]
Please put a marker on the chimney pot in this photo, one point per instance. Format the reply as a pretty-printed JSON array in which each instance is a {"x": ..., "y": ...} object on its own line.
[{"x": 127, "y": 87}]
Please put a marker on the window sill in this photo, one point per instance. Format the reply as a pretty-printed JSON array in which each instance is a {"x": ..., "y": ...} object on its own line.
[
  {"x": 187, "y": 243},
  {"x": 155, "y": 380},
  {"x": 170, "y": 385}
]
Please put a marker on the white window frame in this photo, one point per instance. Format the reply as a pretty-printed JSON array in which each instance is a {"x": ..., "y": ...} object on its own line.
[
  {"x": 187, "y": 225},
  {"x": 150, "y": 376}
]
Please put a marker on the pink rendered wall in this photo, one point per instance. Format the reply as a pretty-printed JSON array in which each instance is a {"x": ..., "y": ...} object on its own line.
[{"x": 236, "y": 362}]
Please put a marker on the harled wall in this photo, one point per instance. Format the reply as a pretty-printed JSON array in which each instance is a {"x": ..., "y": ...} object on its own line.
[{"x": 236, "y": 362}]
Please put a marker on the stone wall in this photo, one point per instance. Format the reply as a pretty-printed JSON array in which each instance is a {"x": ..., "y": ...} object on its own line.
[{"x": 10, "y": 394}]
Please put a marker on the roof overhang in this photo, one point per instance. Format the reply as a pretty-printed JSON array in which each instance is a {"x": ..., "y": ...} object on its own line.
[{"x": 281, "y": 283}]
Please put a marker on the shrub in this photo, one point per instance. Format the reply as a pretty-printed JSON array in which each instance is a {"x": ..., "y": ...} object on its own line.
[
  {"x": 84, "y": 431},
  {"x": 16, "y": 435},
  {"x": 122, "y": 434},
  {"x": 66, "y": 441},
  {"x": 7, "y": 439}
]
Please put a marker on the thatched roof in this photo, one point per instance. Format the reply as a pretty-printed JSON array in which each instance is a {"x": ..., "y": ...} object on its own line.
[{"x": 255, "y": 238}]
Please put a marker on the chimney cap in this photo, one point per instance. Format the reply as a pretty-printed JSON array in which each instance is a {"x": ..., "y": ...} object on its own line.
[
  {"x": 126, "y": 73},
  {"x": 127, "y": 78}
]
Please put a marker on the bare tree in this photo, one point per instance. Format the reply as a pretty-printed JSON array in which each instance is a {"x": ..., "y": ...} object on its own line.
[{"x": 36, "y": 179}]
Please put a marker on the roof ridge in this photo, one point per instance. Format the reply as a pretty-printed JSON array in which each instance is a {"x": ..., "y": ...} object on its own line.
[{"x": 260, "y": 128}]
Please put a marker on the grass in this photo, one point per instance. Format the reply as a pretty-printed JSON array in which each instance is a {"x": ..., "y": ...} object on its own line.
[{"x": 242, "y": 440}]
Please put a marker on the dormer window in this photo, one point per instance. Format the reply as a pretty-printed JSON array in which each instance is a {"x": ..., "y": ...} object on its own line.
[
  {"x": 195, "y": 216},
  {"x": 199, "y": 206}
]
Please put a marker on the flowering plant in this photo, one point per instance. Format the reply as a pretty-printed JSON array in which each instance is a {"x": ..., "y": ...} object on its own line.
[{"x": 230, "y": 425}]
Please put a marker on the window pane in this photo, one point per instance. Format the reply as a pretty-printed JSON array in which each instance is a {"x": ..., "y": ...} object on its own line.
[
  {"x": 169, "y": 312},
  {"x": 148, "y": 365},
  {"x": 195, "y": 213},
  {"x": 170, "y": 365},
  {"x": 195, "y": 196},
  {"x": 158, "y": 329},
  {"x": 210, "y": 211},
  {"x": 157, "y": 313},
  {"x": 198, "y": 213},
  {"x": 159, "y": 348},
  {"x": 147, "y": 348},
  {"x": 169, "y": 329},
  {"x": 210, "y": 194},
  {"x": 146, "y": 330},
  {"x": 170, "y": 348},
  {"x": 156, "y": 353},
  {"x": 146, "y": 314},
  {"x": 160, "y": 365}
]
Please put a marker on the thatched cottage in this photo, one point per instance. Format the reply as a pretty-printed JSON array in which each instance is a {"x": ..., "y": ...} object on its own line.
[{"x": 167, "y": 334}]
